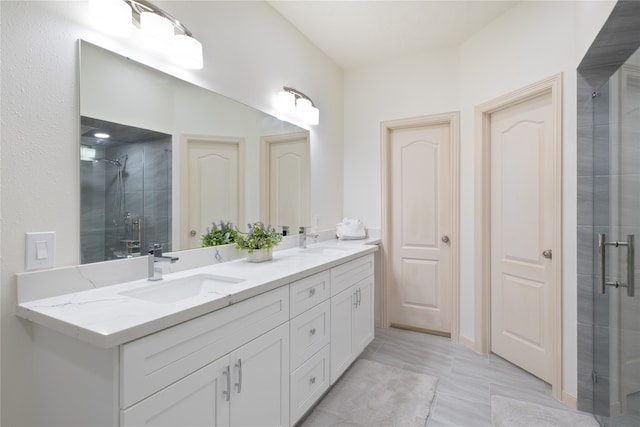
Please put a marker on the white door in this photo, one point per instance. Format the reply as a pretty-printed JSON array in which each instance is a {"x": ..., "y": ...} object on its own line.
[
  {"x": 196, "y": 400},
  {"x": 212, "y": 185},
  {"x": 286, "y": 181},
  {"x": 522, "y": 222},
  {"x": 260, "y": 381},
  {"x": 420, "y": 221}
]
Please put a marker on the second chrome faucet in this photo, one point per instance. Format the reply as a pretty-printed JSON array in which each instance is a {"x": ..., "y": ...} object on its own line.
[
  {"x": 303, "y": 232},
  {"x": 155, "y": 258}
]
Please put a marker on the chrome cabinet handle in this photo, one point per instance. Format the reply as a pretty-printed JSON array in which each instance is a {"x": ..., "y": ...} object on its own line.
[
  {"x": 354, "y": 296},
  {"x": 227, "y": 392},
  {"x": 547, "y": 253},
  {"x": 239, "y": 383},
  {"x": 445, "y": 239},
  {"x": 312, "y": 292},
  {"x": 602, "y": 281},
  {"x": 359, "y": 294},
  {"x": 312, "y": 380},
  {"x": 312, "y": 331}
]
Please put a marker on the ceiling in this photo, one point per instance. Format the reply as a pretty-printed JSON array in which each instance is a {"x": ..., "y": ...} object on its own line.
[{"x": 356, "y": 33}]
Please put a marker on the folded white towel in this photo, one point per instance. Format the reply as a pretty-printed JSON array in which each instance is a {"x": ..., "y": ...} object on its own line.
[{"x": 350, "y": 229}]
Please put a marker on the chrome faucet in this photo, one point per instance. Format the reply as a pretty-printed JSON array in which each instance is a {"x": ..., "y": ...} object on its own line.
[
  {"x": 302, "y": 236},
  {"x": 156, "y": 257}
]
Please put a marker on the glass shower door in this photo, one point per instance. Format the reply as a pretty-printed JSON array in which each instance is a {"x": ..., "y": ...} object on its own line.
[{"x": 617, "y": 221}]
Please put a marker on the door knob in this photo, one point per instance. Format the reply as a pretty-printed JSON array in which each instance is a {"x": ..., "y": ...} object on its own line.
[
  {"x": 192, "y": 233},
  {"x": 445, "y": 239},
  {"x": 547, "y": 253}
]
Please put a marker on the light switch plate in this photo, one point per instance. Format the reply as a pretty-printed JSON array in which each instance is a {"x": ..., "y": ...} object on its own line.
[{"x": 41, "y": 250}]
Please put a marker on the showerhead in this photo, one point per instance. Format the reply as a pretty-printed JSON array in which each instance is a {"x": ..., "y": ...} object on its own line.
[{"x": 115, "y": 162}]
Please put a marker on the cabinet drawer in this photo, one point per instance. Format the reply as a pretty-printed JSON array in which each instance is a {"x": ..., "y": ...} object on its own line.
[
  {"x": 155, "y": 361},
  {"x": 351, "y": 272},
  {"x": 308, "y": 383},
  {"x": 308, "y": 292},
  {"x": 309, "y": 333}
]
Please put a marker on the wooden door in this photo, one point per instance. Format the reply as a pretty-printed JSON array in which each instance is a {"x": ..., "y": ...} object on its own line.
[
  {"x": 260, "y": 381},
  {"x": 522, "y": 228},
  {"x": 420, "y": 221},
  {"x": 212, "y": 185},
  {"x": 196, "y": 400},
  {"x": 286, "y": 181}
]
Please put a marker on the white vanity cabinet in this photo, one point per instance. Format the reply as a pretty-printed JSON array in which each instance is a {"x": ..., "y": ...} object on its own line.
[
  {"x": 352, "y": 303},
  {"x": 230, "y": 367},
  {"x": 248, "y": 387},
  {"x": 262, "y": 361}
]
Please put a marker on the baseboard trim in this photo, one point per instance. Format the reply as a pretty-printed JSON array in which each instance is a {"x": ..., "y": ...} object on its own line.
[
  {"x": 467, "y": 342},
  {"x": 569, "y": 400}
]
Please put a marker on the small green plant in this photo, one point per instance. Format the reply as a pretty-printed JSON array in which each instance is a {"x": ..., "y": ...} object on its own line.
[
  {"x": 222, "y": 234},
  {"x": 258, "y": 238}
]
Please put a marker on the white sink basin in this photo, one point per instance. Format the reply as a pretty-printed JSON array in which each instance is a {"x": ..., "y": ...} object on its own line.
[
  {"x": 168, "y": 291},
  {"x": 323, "y": 250}
]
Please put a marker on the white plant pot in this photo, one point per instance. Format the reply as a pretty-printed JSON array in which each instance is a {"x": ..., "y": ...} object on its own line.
[{"x": 258, "y": 255}]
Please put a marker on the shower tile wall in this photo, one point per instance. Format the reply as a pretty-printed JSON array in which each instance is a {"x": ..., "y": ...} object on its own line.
[{"x": 147, "y": 190}]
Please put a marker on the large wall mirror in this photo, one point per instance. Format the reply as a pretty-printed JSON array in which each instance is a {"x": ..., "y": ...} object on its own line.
[{"x": 160, "y": 159}]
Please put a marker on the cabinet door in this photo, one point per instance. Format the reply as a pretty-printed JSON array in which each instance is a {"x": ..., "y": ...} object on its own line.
[
  {"x": 363, "y": 315},
  {"x": 260, "y": 381},
  {"x": 342, "y": 309},
  {"x": 199, "y": 399}
]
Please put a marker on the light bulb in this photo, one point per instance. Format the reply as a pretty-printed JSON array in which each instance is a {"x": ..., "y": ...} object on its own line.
[
  {"x": 157, "y": 31},
  {"x": 187, "y": 52},
  {"x": 111, "y": 16}
]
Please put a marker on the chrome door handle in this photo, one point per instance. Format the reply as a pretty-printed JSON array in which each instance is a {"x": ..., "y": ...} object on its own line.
[
  {"x": 239, "y": 383},
  {"x": 602, "y": 281},
  {"x": 547, "y": 253},
  {"x": 227, "y": 392},
  {"x": 445, "y": 239}
]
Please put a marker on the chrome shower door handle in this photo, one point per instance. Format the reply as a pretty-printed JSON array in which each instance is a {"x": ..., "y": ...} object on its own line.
[
  {"x": 602, "y": 281},
  {"x": 601, "y": 262}
]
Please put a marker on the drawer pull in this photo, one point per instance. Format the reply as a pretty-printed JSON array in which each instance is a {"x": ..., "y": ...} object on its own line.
[
  {"x": 312, "y": 380},
  {"x": 312, "y": 292},
  {"x": 312, "y": 331}
]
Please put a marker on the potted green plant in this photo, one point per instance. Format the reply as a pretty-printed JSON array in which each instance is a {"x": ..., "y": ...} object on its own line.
[
  {"x": 222, "y": 234},
  {"x": 258, "y": 241}
]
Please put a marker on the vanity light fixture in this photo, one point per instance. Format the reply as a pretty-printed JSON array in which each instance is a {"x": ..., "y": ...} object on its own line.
[
  {"x": 290, "y": 99},
  {"x": 158, "y": 29}
]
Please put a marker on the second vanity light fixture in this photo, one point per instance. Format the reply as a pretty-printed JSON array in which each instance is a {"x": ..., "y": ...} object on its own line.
[
  {"x": 159, "y": 30},
  {"x": 290, "y": 99}
]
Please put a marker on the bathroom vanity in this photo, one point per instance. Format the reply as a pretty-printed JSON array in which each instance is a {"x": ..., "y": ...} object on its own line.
[{"x": 248, "y": 344}]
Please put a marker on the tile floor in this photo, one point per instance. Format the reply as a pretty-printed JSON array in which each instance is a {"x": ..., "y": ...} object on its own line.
[{"x": 467, "y": 380}]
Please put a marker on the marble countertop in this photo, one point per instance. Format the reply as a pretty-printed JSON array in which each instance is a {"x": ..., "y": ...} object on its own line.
[{"x": 106, "y": 318}]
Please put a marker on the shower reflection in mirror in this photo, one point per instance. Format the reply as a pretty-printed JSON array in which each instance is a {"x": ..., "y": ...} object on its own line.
[{"x": 125, "y": 177}]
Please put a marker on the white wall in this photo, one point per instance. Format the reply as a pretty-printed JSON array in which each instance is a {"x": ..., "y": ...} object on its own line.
[
  {"x": 250, "y": 53},
  {"x": 531, "y": 41}
]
